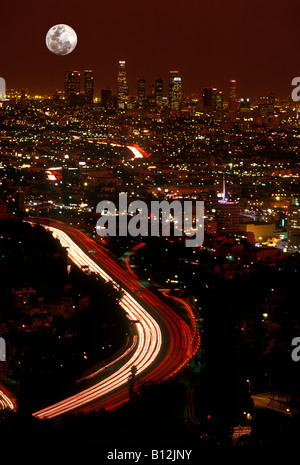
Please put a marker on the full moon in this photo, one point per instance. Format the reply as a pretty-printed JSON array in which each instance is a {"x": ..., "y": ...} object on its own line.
[{"x": 61, "y": 39}]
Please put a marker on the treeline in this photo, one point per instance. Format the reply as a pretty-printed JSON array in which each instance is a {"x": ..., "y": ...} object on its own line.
[{"x": 45, "y": 361}]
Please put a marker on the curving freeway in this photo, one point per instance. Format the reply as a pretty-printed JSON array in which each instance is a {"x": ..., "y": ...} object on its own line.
[
  {"x": 163, "y": 341},
  {"x": 7, "y": 401}
]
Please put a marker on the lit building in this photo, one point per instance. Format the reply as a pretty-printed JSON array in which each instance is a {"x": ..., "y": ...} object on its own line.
[
  {"x": 122, "y": 90},
  {"x": 232, "y": 95},
  {"x": 212, "y": 98},
  {"x": 89, "y": 86},
  {"x": 172, "y": 75},
  {"x": 175, "y": 90},
  {"x": 261, "y": 231},
  {"x": 217, "y": 100},
  {"x": 71, "y": 84},
  {"x": 244, "y": 104},
  {"x": 141, "y": 93},
  {"x": 263, "y": 110},
  {"x": 159, "y": 88},
  {"x": 228, "y": 217},
  {"x": 227, "y": 214},
  {"x": 293, "y": 226}
]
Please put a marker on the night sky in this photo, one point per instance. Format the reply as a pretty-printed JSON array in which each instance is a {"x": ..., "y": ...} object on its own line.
[{"x": 209, "y": 42}]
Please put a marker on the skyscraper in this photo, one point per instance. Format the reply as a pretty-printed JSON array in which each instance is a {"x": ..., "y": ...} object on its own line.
[
  {"x": 89, "y": 86},
  {"x": 122, "y": 90},
  {"x": 244, "y": 104},
  {"x": 293, "y": 225},
  {"x": 212, "y": 98},
  {"x": 218, "y": 100},
  {"x": 141, "y": 93},
  {"x": 175, "y": 90},
  {"x": 228, "y": 217},
  {"x": 232, "y": 95},
  {"x": 159, "y": 88},
  {"x": 71, "y": 84},
  {"x": 172, "y": 75}
]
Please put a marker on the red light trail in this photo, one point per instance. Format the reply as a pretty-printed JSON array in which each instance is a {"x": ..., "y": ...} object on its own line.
[
  {"x": 6, "y": 400},
  {"x": 164, "y": 343}
]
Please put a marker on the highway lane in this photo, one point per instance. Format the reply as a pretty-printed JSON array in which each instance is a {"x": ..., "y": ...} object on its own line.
[
  {"x": 186, "y": 305},
  {"x": 177, "y": 328},
  {"x": 6, "y": 400},
  {"x": 165, "y": 342}
]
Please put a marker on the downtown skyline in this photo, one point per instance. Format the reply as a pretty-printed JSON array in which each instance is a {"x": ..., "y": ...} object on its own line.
[
  {"x": 150, "y": 83},
  {"x": 209, "y": 44}
]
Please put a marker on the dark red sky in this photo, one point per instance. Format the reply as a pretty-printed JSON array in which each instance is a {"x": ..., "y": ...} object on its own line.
[{"x": 209, "y": 42}]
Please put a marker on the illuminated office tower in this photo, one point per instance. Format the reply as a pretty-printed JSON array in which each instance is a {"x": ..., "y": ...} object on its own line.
[
  {"x": 172, "y": 75},
  {"x": 212, "y": 98},
  {"x": 175, "y": 90},
  {"x": 89, "y": 86},
  {"x": 227, "y": 214},
  {"x": 141, "y": 93},
  {"x": 293, "y": 226},
  {"x": 244, "y": 104},
  {"x": 232, "y": 95},
  {"x": 71, "y": 84},
  {"x": 122, "y": 91},
  {"x": 218, "y": 100},
  {"x": 159, "y": 88},
  {"x": 228, "y": 217}
]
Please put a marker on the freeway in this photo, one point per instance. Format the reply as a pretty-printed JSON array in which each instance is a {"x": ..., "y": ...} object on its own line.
[
  {"x": 6, "y": 400},
  {"x": 164, "y": 341}
]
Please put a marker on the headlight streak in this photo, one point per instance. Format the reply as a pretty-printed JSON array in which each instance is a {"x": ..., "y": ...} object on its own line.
[
  {"x": 5, "y": 401},
  {"x": 149, "y": 339},
  {"x": 180, "y": 341}
]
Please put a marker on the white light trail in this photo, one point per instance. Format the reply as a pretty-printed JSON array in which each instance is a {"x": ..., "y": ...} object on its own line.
[
  {"x": 148, "y": 332},
  {"x": 135, "y": 151},
  {"x": 5, "y": 401}
]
